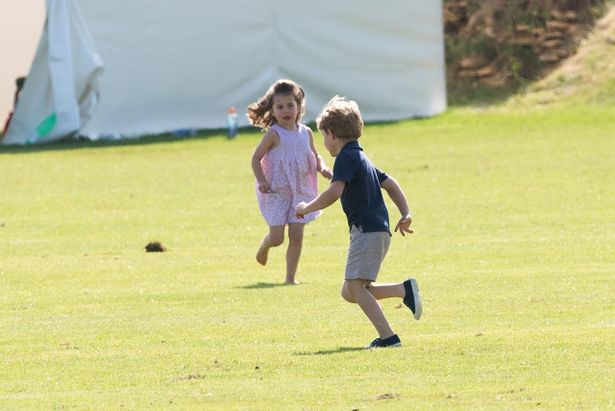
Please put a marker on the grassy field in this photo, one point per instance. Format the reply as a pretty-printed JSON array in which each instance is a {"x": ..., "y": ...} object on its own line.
[{"x": 514, "y": 251}]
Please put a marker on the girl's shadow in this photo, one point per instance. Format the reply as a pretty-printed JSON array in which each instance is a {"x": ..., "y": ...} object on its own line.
[{"x": 261, "y": 285}]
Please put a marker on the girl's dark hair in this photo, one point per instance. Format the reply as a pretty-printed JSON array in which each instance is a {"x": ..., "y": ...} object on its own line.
[{"x": 260, "y": 113}]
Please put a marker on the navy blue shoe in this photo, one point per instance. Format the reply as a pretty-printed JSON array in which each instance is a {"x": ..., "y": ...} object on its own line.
[
  {"x": 392, "y": 341},
  {"x": 412, "y": 299}
]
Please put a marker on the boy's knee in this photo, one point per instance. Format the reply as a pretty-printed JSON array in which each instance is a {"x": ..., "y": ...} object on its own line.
[{"x": 346, "y": 294}]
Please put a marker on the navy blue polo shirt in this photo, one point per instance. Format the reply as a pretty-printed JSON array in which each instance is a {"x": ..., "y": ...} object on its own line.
[{"x": 362, "y": 197}]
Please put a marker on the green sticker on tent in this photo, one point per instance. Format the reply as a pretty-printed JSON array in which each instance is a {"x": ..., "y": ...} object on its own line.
[{"x": 46, "y": 125}]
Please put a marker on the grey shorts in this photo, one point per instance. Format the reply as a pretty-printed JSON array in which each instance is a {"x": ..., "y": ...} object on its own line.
[{"x": 365, "y": 254}]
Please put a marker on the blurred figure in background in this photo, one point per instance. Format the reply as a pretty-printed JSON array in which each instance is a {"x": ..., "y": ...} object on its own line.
[{"x": 231, "y": 122}]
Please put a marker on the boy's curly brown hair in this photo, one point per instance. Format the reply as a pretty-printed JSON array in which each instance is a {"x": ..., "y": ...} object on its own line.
[{"x": 341, "y": 117}]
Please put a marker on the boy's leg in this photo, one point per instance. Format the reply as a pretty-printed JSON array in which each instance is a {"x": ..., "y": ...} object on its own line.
[
  {"x": 378, "y": 290},
  {"x": 295, "y": 244},
  {"x": 273, "y": 239},
  {"x": 358, "y": 292},
  {"x": 408, "y": 291},
  {"x": 388, "y": 290}
]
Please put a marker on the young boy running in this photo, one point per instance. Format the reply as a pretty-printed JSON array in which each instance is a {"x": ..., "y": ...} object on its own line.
[{"x": 359, "y": 184}]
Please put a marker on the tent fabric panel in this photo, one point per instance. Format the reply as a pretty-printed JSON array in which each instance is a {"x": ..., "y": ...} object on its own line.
[
  {"x": 183, "y": 67},
  {"x": 60, "y": 91}
]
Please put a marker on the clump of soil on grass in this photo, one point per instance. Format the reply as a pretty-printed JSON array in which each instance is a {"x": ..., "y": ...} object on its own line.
[{"x": 155, "y": 247}]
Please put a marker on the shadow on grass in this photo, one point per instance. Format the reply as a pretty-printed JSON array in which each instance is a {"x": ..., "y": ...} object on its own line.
[
  {"x": 261, "y": 285},
  {"x": 338, "y": 350},
  {"x": 83, "y": 143}
]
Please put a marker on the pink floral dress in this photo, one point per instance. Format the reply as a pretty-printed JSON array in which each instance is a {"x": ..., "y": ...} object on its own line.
[{"x": 290, "y": 169}]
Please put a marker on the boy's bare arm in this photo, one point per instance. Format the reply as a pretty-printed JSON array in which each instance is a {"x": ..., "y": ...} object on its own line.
[
  {"x": 323, "y": 200},
  {"x": 321, "y": 166},
  {"x": 396, "y": 194}
]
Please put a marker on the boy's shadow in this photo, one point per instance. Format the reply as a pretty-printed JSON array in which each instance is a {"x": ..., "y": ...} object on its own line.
[
  {"x": 261, "y": 285},
  {"x": 338, "y": 350}
]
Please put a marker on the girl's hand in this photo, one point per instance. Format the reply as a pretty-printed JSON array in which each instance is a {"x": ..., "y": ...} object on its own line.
[
  {"x": 326, "y": 173},
  {"x": 264, "y": 187},
  {"x": 403, "y": 225}
]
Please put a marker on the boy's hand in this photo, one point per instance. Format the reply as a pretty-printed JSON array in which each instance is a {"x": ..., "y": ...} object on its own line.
[
  {"x": 300, "y": 210},
  {"x": 403, "y": 225},
  {"x": 326, "y": 173}
]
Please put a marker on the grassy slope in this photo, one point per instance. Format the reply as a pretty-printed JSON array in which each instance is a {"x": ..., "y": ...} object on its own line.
[
  {"x": 514, "y": 222},
  {"x": 586, "y": 78}
]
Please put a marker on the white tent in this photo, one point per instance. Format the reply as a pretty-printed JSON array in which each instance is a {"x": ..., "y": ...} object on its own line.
[
  {"x": 181, "y": 64},
  {"x": 60, "y": 94}
]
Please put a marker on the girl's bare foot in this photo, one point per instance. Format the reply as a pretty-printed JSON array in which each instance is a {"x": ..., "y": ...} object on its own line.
[{"x": 261, "y": 255}]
